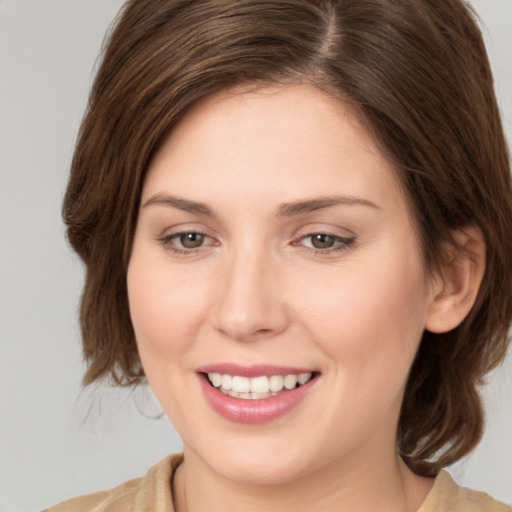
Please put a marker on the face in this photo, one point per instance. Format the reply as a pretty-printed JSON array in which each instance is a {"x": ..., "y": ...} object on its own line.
[{"x": 276, "y": 286}]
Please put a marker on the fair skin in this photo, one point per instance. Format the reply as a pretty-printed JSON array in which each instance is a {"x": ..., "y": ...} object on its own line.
[{"x": 272, "y": 234}]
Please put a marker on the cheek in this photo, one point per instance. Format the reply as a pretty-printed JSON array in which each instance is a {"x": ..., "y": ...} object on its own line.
[
  {"x": 166, "y": 315},
  {"x": 159, "y": 303},
  {"x": 369, "y": 327},
  {"x": 372, "y": 321}
]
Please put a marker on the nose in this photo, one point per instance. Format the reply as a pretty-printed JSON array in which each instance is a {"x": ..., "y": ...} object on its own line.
[{"x": 250, "y": 304}]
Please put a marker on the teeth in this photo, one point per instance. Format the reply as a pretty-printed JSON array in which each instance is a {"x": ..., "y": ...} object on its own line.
[
  {"x": 276, "y": 383},
  {"x": 260, "y": 384},
  {"x": 303, "y": 378},
  {"x": 256, "y": 387},
  {"x": 216, "y": 379},
  {"x": 226, "y": 381},
  {"x": 256, "y": 396},
  {"x": 240, "y": 384},
  {"x": 290, "y": 381}
]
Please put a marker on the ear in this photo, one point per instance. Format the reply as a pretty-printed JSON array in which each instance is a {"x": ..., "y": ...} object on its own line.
[{"x": 454, "y": 291}]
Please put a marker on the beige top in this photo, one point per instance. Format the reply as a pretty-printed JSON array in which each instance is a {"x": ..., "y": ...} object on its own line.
[{"x": 152, "y": 493}]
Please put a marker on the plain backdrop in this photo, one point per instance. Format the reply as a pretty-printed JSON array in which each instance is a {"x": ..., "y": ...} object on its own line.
[{"x": 57, "y": 441}]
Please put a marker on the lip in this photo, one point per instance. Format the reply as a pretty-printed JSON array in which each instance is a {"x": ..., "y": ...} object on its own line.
[
  {"x": 262, "y": 410},
  {"x": 253, "y": 370}
]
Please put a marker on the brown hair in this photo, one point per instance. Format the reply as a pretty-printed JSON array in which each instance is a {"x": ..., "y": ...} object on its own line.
[{"x": 417, "y": 73}]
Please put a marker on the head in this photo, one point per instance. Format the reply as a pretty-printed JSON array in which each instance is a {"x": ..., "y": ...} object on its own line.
[{"x": 415, "y": 76}]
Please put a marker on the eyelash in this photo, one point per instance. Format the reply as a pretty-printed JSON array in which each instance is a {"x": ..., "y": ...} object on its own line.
[
  {"x": 167, "y": 242},
  {"x": 340, "y": 243}
]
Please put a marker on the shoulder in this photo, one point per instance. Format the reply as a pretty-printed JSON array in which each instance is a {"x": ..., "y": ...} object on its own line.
[
  {"x": 152, "y": 491},
  {"x": 447, "y": 496}
]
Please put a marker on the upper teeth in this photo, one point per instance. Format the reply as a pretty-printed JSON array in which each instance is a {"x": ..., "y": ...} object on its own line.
[{"x": 262, "y": 384}]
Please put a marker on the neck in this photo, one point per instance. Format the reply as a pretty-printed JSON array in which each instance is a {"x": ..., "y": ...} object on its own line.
[{"x": 340, "y": 486}]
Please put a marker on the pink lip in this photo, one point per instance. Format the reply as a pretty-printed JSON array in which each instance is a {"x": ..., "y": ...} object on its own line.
[
  {"x": 251, "y": 371},
  {"x": 254, "y": 411}
]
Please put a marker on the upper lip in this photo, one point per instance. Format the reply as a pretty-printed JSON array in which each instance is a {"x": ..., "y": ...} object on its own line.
[{"x": 252, "y": 370}]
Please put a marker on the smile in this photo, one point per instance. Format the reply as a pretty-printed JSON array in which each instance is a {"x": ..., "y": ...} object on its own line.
[
  {"x": 255, "y": 394},
  {"x": 256, "y": 388}
]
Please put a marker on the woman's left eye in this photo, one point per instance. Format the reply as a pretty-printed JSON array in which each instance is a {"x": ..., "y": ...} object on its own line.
[{"x": 325, "y": 242}]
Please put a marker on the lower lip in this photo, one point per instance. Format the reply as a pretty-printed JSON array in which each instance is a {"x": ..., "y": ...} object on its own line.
[{"x": 254, "y": 411}]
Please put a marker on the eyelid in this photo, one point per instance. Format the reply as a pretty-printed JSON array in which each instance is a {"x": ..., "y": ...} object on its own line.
[
  {"x": 166, "y": 239},
  {"x": 339, "y": 239},
  {"x": 342, "y": 242},
  {"x": 324, "y": 229}
]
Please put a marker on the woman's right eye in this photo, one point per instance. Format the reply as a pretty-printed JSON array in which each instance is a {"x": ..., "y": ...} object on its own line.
[
  {"x": 191, "y": 240},
  {"x": 186, "y": 242}
]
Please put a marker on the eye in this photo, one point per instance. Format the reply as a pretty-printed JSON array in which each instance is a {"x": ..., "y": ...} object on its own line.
[
  {"x": 322, "y": 240},
  {"x": 191, "y": 240},
  {"x": 186, "y": 242},
  {"x": 325, "y": 242}
]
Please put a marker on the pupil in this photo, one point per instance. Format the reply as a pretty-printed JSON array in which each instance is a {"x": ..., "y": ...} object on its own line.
[
  {"x": 322, "y": 241},
  {"x": 191, "y": 240}
]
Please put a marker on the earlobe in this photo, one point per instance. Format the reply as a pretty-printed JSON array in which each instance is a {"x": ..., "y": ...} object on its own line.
[{"x": 455, "y": 290}]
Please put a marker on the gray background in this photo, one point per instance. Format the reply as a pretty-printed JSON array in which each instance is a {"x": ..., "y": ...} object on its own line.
[{"x": 57, "y": 441}]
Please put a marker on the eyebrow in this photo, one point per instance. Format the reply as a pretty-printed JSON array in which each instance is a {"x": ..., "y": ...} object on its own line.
[
  {"x": 284, "y": 210},
  {"x": 180, "y": 203},
  {"x": 310, "y": 205}
]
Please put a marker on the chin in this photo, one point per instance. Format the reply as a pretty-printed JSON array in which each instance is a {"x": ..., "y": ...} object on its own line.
[{"x": 257, "y": 464}]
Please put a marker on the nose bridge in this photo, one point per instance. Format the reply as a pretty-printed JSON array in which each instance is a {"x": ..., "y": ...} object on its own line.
[{"x": 249, "y": 305}]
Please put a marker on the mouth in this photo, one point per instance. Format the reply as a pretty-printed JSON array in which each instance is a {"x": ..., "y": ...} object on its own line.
[
  {"x": 256, "y": 393},
  {"x": 257, "y": 387}
]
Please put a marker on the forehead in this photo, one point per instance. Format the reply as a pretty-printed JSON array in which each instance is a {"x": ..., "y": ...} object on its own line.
[{"x": 289, "y": 132}]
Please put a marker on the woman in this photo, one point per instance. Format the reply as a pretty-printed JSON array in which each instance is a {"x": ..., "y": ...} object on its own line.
[{"x": 295, "y": 219}]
